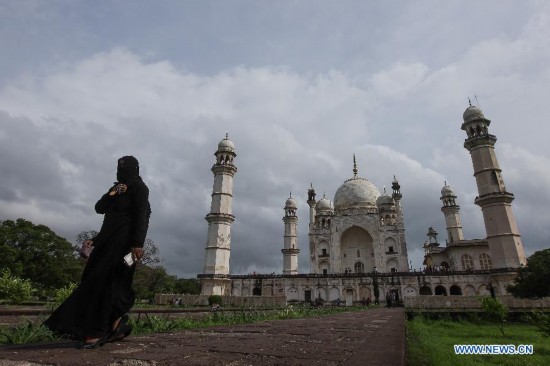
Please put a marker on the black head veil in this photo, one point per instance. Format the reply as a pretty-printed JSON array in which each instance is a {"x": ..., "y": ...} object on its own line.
[{"x": 127, "y": 169}]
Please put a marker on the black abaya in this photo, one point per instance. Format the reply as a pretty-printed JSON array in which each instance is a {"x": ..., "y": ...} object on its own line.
[{"x": 105, "y": 291}]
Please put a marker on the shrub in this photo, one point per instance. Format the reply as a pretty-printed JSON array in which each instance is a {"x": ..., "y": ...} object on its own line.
[
  {"x": 215, "y": 299},
  {"x": 28, "y": 332},
  {"x": 151, "y": 324},
  {"x": 14, "y": 289},
  {"x": 62, "y": 294},
  {"x": 542, "y": 321},
  {"x": 495, "y": 312}
]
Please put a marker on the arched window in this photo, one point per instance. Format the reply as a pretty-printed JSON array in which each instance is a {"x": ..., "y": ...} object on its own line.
[
  {"x": 440, "y": 291},
  {"x": 485, "y": 261},
  {"x": 467, "y": 262},
  {"x": 425, "y": 290},
  {"x": 359, "y": 267},
  {"x": 455, "y": 290}
]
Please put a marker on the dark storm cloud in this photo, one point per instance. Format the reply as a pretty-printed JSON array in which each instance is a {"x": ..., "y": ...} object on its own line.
[{"x": 298, "y": 88}]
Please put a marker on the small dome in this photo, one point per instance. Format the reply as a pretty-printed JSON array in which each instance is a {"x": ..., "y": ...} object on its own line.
[
  {"x": 447, "y": 191},
  {"x": 226, "y": 145},
  {"x": 356, "y": 193},
  {"x": 472, "y": 113},
  {"x": 323, "y": 204},
  {"x": 384, "y": 199},
  {"x": 290, "y": 203}
]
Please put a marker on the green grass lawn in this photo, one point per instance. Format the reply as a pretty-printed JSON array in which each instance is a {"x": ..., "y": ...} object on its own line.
[{"x": 430, "y": 342}]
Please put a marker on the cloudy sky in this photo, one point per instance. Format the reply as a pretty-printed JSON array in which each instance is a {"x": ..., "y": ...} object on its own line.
[{"x": 299, "y": 85}]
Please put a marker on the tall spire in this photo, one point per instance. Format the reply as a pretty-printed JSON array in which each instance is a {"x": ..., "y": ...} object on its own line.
[
  {"x": 354, "y": 167},
  {"x": 214, "y": 277},
  {"x": 503, "y": 237}
]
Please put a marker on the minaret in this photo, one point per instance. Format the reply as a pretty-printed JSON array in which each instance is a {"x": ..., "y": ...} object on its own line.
[
  {"x": 452, "y": 216},
  {"x": 505, "y": 244},
  {"x": 214, "y": 277},
  {"x": 290, "y": 249},
  {"x": 396, "y": 195},
  {"x": 397, "y": 198},
  {"x": 311, "y": 202}
]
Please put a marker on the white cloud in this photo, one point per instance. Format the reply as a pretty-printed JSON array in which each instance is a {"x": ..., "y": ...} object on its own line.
[
  {"x": 63, "y": 128},
  {"x": 399, "y": 80}
]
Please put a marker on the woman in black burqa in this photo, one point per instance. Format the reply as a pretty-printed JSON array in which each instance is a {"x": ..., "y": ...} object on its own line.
[{"x": 96, "y": 312}]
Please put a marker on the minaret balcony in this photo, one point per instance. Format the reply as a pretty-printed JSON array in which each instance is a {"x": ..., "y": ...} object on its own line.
[
  {"x": 480, "y": 140},
  {"x": 290, "y": 251},
  {"x": 219, "y": 217},
  {"x": 494, "y": 197}
]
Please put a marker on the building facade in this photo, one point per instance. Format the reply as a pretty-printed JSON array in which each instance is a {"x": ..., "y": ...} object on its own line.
[{"x": 357, "y": 245}]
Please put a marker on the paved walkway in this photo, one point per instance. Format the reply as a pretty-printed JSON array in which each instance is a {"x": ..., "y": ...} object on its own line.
[{"x": 372, "y": 337}]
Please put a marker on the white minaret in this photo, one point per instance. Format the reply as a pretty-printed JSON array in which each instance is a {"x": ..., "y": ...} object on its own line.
[
  {"x": 397, "y": 196},
  {"x": 505, "y": 244},
  {"x": 214, "y": 277},
  {"x": 452, "y": 216},
  {"x": 290, "y": 249}
]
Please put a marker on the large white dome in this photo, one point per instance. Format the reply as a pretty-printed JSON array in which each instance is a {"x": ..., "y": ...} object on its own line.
[{"x": 356, "y": 193}]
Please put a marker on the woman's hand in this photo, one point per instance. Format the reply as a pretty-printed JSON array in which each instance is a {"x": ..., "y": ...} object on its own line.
[
  {"x": 86, "y": 249},
  {"x": 137, "y": 253},
  {"x": 118, "y": 189}
]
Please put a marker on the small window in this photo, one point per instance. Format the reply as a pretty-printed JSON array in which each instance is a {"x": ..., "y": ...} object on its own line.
[
  {"x": 324, "y": 252},
  {"x": 358, "y": 254},
  {"x": 344, "y": 255},
  {"x": 325, "y": 271},
  {"x": 391, "y": 250}
]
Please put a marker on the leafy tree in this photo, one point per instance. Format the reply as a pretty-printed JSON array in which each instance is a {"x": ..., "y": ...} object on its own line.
[
  {"x": 190, "y": 286},
  {"x": 149, "y": 281},
  {"x": 533, "y": 280},
  {"x": 36, "y": 253}
]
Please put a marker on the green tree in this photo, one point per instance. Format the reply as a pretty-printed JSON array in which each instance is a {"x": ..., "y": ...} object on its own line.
[
  {"x": 149, "y": 281},
  {"x": 533, "y": 280},
  {"x": 36, "y": 253},
  {"x": 191, "y": 286}
]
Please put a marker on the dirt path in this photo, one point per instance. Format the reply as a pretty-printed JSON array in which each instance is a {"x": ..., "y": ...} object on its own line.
[{"x": 373, "y": 337}]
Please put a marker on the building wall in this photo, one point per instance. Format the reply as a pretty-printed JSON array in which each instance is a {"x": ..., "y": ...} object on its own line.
[{"x": 357, "y": 288}]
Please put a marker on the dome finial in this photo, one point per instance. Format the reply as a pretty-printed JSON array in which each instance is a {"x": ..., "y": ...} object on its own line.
[
  {"x": 226, "y": 135},
  {"x": 354, "y": 167},
  {"x": 469, "y": 101}
]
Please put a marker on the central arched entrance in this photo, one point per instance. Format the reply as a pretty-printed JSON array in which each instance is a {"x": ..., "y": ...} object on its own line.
[{"x": 356, "y": 246}]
